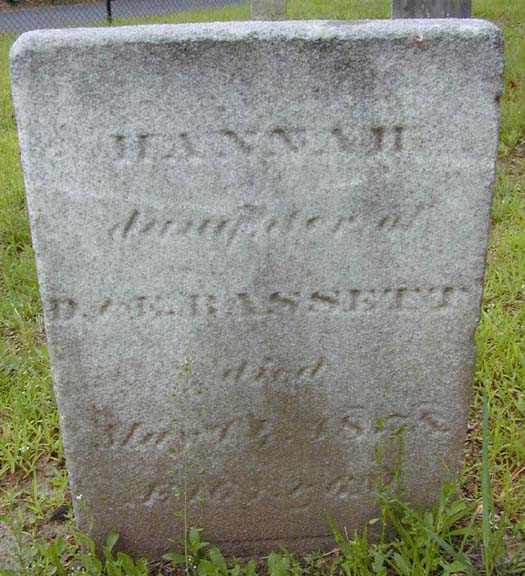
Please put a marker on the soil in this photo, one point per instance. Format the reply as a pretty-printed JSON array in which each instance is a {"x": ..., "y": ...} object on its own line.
[{"x": 7, "y": 546}]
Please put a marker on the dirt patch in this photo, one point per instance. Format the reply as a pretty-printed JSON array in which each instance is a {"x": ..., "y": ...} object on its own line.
[
  {"x": 7, "y": 546},
  {"x": 513, "y": 164}
]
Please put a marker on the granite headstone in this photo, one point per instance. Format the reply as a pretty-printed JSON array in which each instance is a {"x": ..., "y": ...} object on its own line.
[
  {"x": 260, "y": 249},
  {"x": 268, "y": 9},
  {"x": 431, "y": 8}
]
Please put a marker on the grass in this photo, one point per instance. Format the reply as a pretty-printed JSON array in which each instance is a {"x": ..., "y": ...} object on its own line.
[{"x": 479, "y": 532}]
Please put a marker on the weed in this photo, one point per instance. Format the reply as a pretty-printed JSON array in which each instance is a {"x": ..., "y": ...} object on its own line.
[
  {"x": 202, "y": 559},
  {"x": 61, "y": 557}
]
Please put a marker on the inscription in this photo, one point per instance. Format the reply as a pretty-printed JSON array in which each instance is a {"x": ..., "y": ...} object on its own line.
[
  {"x": 62, "y": 308},
  {"x": 297, "y": 491},
  {"x": 136, "y": 435},
  {"x": 255, "y": 223},
  {"x": 333, "y": 301},
  {"x": 276, "y": 140},
  {"x": 270, "y": 371},
  {"x": 391, "y": 139},
  {"x": 357, "y": 426}
]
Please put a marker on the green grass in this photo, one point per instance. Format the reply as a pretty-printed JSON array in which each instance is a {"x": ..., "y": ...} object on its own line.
[{"x": 479, "y": 533}]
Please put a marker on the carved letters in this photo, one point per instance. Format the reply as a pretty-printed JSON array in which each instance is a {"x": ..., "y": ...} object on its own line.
[
  {"x": 273, "y": 141},
  {"x": 269, "y": 370},
  {"x": 256, "y": 432},
  {"x": 334, "y": 301},
  {"x": 356, "y": 428},
  {"x": 253, "y": 223},
  {"x": 296, "y": 491}
]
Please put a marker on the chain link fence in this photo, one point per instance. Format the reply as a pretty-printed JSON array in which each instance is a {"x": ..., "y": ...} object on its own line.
[{"x": 22, "y": 15}]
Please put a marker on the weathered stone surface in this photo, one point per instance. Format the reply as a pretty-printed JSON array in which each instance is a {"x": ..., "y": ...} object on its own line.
[
  {"x": 431, "y": 8},
  {"x": 268, "y": 9},
  {"x": 301, "y": 208}
]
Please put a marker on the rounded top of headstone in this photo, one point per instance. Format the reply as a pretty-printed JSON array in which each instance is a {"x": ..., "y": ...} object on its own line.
[{"x": 234, "y": 31}]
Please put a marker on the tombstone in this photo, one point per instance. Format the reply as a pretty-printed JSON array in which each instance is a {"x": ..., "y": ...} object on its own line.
[
  {"x": 260, "y": 251},
  {"x": 268, "y": 9},
  {"x": 431, "y": 8}
]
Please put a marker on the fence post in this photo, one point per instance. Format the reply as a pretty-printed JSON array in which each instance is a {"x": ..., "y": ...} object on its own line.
[
  {"x": 431, "y": 8},
  {"x": 108, "y": 11},
  {"x": 268, "y": 9}
]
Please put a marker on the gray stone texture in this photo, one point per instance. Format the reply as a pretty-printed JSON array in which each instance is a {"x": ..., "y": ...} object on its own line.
[
  {"x": 431, "y": 8},
  {"x": 299, "y": 208},
  {"x": 268, "y": 9}
]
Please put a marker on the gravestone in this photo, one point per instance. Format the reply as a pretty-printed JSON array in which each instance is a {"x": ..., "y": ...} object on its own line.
[
  {"x": 260, "y": 250},
  {"x": 431, "y": 8},
  {"x": 268, "y": 9}
]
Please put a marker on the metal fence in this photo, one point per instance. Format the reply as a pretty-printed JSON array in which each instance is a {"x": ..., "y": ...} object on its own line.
[
  {"x": 21, "y": 15},
  {"x": 18, "y": 17}
]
